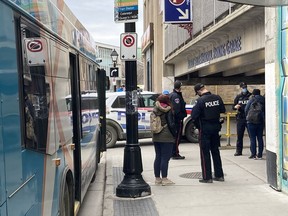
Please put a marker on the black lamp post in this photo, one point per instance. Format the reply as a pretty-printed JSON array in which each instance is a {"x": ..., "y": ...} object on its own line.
[
  {"x": 114, "y": 56},
  {"x": 133, "y": 185}
]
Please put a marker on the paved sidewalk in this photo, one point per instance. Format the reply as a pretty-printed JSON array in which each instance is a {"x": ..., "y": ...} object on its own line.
[{"x": 245, "y": 191}]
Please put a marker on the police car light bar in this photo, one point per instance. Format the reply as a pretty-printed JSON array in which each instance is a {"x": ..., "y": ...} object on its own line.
[{"x": 265, "y": 3}]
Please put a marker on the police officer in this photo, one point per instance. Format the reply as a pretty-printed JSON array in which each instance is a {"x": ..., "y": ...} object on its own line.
[
  {"x": 179, "y": 109},
  {"x": 239, "y": 104},
  {"x": 206, "y": 116}
]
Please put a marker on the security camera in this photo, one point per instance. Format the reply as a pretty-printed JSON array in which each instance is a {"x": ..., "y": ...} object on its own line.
[{"x": 98, "y": 60}]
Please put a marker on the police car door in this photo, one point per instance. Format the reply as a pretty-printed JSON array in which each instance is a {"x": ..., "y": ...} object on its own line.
[{"x": 146, "y": 102}]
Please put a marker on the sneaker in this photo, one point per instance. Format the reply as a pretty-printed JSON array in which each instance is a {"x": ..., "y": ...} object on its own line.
[
  {"x": 220, "y": 179},
  {"x": 252, "y": 157},
  {"x": 158, "y": 181},
  {"x": 167, "y": 182},
  {"x": 237, "y": 154},
  {"x": 205, "y": 180},
  {"x": 258, "y": 158},
  {"x": 178, "y": 157}
]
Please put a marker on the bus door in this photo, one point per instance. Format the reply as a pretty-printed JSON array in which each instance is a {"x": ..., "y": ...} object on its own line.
[
  {"x": 17, "y": 194},
  {"x": 76, "y": 119},
  {"x": 25, "y": 126}
]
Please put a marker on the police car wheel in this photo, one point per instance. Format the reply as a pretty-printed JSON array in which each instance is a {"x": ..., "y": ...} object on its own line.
[
  {"x": 191, "y": 133},
  {"x": 111, "y": 136}
]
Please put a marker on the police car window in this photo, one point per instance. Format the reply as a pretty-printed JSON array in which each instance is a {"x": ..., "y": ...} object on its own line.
[
  {"x": 94, "y": 104},
  {"x": 141, "y": 101},
  {"x": 149, "y": 100},
  {"x": 119, "y": 102},
  {"x": 89, "y": 103}
]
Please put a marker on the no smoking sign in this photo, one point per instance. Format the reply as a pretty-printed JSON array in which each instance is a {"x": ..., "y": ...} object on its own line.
[{"x": 128, "y": 46}]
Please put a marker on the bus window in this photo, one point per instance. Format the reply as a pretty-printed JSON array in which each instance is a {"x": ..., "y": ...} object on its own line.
[
  {"x": 36, "y": 109},
  {"x": 30, "y": 137}
]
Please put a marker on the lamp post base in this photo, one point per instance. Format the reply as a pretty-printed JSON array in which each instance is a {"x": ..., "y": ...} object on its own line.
[{"x": 133, "y": 186}]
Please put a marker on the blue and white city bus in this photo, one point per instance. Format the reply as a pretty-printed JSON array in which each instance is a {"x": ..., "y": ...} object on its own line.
[{"x": 48, "y": 154}]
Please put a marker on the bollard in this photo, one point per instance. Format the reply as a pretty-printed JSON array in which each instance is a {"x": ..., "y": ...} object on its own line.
[{"x": 228, "y": 133}]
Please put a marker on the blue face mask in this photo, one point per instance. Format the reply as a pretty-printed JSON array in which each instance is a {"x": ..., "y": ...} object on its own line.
[{"x": 244, "y": 90}]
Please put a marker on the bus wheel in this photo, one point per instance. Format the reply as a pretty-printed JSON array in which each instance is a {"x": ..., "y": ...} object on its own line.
[
  {"x": 191, "y": 133},
  {"x": 66, "y": 201},
  {"x": 111, "y": 136}
]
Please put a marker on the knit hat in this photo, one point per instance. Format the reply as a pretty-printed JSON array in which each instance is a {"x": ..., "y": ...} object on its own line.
[{"x": 165, "y": 92}]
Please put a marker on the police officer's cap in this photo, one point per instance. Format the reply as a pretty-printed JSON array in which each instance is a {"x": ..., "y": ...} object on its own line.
[
  {"x": 243, "y": 85},
  {"x": 177, "y": 84},
  {"x": 197, "y": 87}
]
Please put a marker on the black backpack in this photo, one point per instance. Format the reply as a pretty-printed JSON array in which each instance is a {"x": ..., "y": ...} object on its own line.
[
  {"x": 254, "y": 114},
  {"x": 171, "y": 123}
]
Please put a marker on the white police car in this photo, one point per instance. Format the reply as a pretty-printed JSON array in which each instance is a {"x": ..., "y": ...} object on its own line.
[{"x": 116, "y": 116}]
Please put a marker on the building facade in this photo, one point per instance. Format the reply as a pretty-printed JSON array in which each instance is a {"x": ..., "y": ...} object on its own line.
[{"x": 224, "y": 44}]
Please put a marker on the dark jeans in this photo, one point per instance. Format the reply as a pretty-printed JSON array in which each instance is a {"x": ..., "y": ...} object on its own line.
[
  {"x": 179, "y": 125},
  {"x": 163, "y": 153},
  {"x": 241, "y": 125},
  {"x": 256, "y": 130}
]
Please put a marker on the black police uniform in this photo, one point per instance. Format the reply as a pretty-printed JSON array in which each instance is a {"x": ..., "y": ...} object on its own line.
[
  {"x": 178, "y": 104},
  {"x": 206, "y": 115},
  {"x": 241, "y": 99}
]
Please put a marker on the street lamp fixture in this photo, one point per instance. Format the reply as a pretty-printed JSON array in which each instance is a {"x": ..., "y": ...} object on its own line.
[{"x": 114, "y": 56}]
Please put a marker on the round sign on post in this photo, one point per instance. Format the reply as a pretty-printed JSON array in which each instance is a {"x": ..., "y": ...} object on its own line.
[
  {"x": 128, "y": 40},
  {"x": 177, "y": 2},
  {"x": 128, "y": 46}
]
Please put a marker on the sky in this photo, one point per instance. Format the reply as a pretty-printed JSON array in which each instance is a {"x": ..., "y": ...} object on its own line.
[{"x": 98, "y": 18}]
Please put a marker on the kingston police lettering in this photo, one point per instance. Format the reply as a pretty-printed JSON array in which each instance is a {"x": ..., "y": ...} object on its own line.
[{"x": 212, "y": 103}]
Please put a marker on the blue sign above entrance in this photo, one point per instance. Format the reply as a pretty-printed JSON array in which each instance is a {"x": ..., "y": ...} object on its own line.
[{"x": 177, "y": 11}]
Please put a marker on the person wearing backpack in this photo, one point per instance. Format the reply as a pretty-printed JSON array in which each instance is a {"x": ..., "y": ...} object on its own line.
[
  {"x": 163, "y": 138},
  {"x": 255, "y": 116}
]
